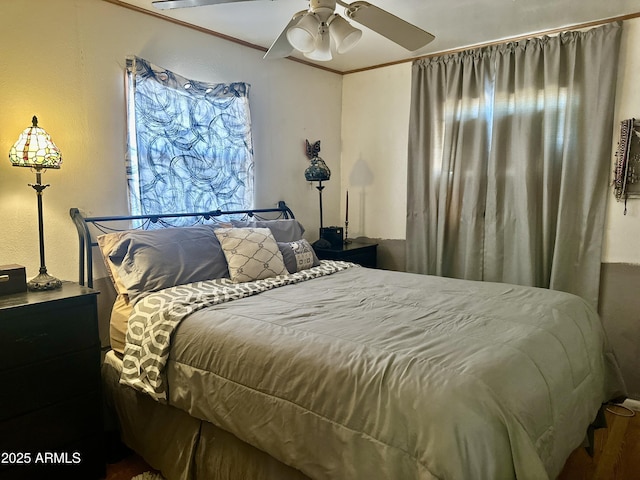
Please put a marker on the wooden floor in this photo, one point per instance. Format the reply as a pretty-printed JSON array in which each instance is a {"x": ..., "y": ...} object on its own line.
[
  {"x": 616, "y": 455},
  {"x": 616, "y": 452}
]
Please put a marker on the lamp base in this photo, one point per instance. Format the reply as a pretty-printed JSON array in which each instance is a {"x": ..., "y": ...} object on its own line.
[
  {"x": 44, "y": 281},
  {"x": 321, "y": 243}
]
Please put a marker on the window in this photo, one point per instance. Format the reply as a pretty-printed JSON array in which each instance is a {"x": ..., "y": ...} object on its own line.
[{"x": 189, "y": 143}]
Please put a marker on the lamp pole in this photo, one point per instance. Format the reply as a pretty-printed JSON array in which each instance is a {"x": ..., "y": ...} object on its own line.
[
  {"x": 43, "y": 281},
  {"x": 320, "y": 187},
  {"x": 39, "y": 188}
]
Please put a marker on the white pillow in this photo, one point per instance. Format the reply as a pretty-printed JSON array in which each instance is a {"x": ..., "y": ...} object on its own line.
[{"x": 251, "y": 253}]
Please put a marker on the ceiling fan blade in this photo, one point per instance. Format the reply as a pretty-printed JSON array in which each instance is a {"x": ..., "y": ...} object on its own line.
[
  {"x": 388, "y": 25},
  {"x": 281, "y": 47},
  {"x": 170, "y": 4}
]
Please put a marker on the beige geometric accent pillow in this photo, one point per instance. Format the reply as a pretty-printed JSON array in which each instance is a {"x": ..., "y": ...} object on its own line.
[{"x": 251, "y": 253}]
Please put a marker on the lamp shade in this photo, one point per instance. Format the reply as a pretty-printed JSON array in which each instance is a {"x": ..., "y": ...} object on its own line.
[
  {"x": 344, "y": 34},
  {"x": 322, "y": 51},
  {"x": 302, "y": 36},
  {"x": 317, "y": 171},
  {"x": 35, "y": 149}
]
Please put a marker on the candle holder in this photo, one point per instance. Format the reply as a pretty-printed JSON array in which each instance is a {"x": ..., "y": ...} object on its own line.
[
  {"x": 347, "y": 240},
  {"x": 346, "y": 221}
]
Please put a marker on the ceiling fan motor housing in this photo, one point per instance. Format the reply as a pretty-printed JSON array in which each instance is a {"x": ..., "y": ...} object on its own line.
[{"x": 322, "y": 8}]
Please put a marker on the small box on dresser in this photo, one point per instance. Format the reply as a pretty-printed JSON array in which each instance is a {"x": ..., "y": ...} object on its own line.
[
  {"x": 13, "y": 279},
  {"x": 50, "y": 400}
]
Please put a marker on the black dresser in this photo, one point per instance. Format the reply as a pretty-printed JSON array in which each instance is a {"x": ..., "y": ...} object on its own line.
[{"x": 50, "y": 398}]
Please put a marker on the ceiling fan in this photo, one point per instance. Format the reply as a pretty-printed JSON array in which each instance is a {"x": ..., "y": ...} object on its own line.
[{"x": 312, "y": 31}]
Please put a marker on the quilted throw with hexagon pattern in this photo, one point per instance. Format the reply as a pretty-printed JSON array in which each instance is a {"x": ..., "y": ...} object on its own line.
[{"x": 155, "y": 318}]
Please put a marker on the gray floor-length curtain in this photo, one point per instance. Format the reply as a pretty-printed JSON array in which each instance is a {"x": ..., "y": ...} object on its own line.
[{"x": 509, "y": 159}]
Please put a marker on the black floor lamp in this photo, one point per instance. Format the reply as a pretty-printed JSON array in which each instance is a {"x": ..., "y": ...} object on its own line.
[
  {"x": 317, "y": 172},
  {"x": 36, "y": 150}
]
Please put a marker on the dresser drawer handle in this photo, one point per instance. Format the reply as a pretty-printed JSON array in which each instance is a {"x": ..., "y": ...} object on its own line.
[{"x": 4, "y": 278}]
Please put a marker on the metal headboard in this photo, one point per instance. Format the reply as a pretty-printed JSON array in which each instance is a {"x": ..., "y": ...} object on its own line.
[{"x": 101, "y": 224}]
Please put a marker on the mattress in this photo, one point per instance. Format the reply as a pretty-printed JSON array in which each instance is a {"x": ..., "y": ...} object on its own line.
[{"x": 376, "y": 374}]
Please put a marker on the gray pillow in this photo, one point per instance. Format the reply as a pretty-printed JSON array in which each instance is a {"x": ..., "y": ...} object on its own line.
[
  {"x": 283, "y": 230},
  {"x": 298, "y": 255},
  {"x": 150, "y": 260}
]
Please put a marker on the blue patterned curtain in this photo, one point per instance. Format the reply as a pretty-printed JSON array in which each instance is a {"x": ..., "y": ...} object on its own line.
[{"x": 189, "y": 143}]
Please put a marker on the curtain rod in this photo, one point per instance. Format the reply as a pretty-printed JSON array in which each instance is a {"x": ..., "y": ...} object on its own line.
[{"x": 517, "y": 38}]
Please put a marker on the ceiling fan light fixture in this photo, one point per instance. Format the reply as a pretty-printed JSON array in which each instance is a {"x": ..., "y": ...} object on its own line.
[
  {"x": 322, "y": 51},
  {"x": 303, "y": 35},
  {"x": 344, "y": 34}
]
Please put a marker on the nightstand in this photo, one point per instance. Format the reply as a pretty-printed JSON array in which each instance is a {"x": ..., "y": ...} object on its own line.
[
  {"x": 362, "y": 253},
  {"x": 50, "y": 399}
]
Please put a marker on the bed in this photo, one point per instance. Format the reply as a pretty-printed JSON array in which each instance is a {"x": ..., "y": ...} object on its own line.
[{"x": 237, "y": 354}]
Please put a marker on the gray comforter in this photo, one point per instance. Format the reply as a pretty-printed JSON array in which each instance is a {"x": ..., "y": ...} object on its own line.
[{"x": 371, "y": 374}]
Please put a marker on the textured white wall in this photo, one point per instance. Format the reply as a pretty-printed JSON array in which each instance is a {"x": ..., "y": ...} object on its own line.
[
  {"x": 375, "y": 122},
  {"x": 66, "y": 66},
  {"x": 374, "y": 139},
  {"x": 622, "y": 232}
]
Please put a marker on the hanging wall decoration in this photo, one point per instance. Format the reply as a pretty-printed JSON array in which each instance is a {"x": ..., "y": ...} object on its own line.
[{"x": 626, "y": 174}]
